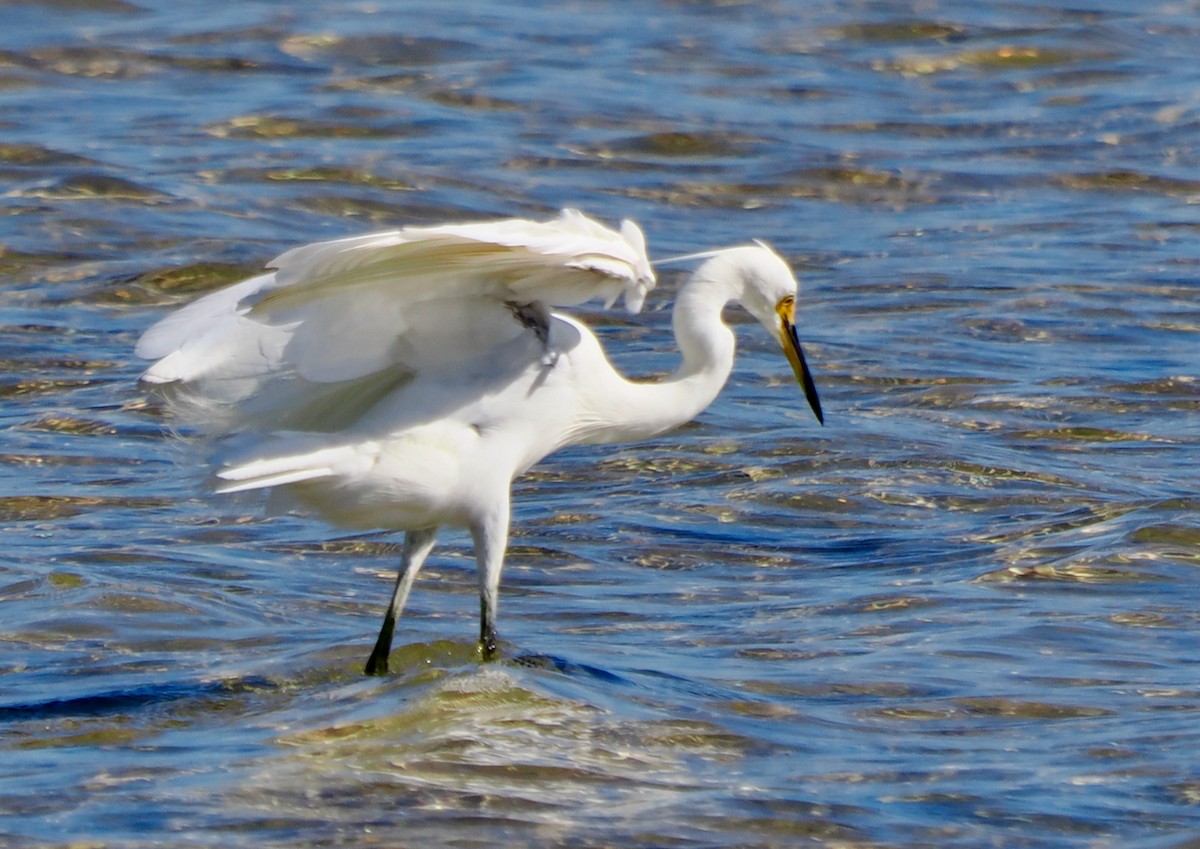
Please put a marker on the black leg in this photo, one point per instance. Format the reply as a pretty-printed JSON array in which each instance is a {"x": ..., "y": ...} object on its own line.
[
  {"x": 491, "y": 539},
  {"x": 488, "y": 641},
  {"x": 417, "y": 545},
  {"x": 377, "y": 663}
]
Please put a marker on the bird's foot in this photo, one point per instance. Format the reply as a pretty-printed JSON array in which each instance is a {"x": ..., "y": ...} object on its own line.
[
  {"x": 377, "y": 664},
  {"x": 488, "y": 648}
]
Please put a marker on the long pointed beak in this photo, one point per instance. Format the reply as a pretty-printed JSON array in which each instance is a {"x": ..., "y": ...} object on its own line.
[{"x": 795, "y": 355}]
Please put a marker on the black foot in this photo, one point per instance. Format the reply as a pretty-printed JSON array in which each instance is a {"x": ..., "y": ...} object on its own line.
[
  {"x": 377, "y": 662},
  {"x": 489, "y": 648},
  {"x": 376, "y": 665}
]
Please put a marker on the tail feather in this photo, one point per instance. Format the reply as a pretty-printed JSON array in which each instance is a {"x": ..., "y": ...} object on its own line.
[
  {"x": 262, "y": 481},
  {"x": 282, "y": 469}
]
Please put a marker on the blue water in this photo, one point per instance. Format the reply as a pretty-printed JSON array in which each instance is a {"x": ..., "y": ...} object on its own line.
[{"x": 963, "y": 613}]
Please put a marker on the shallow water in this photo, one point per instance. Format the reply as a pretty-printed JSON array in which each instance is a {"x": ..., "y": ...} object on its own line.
[{"x": 963, "y": 613}]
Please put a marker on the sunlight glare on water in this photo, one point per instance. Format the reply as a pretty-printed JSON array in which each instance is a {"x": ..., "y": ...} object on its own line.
[{"x": 962, "y": 613}]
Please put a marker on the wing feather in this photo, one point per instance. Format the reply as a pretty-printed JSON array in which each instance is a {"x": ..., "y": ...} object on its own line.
[
  {"x": 357, "y": 317},
  {"x": 562, "y": 262}
]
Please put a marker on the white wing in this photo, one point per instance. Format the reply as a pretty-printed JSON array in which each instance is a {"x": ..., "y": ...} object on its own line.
[
  {"x": 337, "y": 324},
  {"x": 562, "y": 262}
]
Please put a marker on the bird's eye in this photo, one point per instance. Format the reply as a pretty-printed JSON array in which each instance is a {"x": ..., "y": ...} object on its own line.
[{"x": 786, "y": 308}]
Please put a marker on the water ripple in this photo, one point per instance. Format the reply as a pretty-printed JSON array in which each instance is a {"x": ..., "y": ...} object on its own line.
[{"x": 961, "y": 613}]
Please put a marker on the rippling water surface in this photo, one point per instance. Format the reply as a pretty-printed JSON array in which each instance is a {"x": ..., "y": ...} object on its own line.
[{"x": 963, "y": 613}]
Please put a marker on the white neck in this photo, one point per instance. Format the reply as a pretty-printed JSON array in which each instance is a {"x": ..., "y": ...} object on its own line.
[{"x": 633, "y": 411}]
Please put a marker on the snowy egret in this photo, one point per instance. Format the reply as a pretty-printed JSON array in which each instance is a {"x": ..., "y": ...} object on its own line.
[{"x": 402, "y": 380}]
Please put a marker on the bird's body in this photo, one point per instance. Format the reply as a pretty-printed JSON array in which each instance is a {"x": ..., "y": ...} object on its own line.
[
  {"x": 426, "y": 452},
  {"x": 447, "y": 395}
]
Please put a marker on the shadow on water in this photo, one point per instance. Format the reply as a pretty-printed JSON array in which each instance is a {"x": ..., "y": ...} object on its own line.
[
  {"x": 133, "y": 700},
  {"x": 569, "y": 668}
]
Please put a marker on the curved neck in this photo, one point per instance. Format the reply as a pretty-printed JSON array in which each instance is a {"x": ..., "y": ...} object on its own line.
[{"x": 634, "y": 410}]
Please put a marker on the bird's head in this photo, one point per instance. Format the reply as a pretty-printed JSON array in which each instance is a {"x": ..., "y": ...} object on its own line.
[{"x": 768, "y": 291}]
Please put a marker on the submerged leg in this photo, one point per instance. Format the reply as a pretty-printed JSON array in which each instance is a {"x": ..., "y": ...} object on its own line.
[
  {"x": 491, "y": 539},
  {"x": 417, "y": 545}
]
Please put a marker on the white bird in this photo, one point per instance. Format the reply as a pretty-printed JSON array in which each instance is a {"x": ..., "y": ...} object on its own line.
[{"x": 402, "y": 380}]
